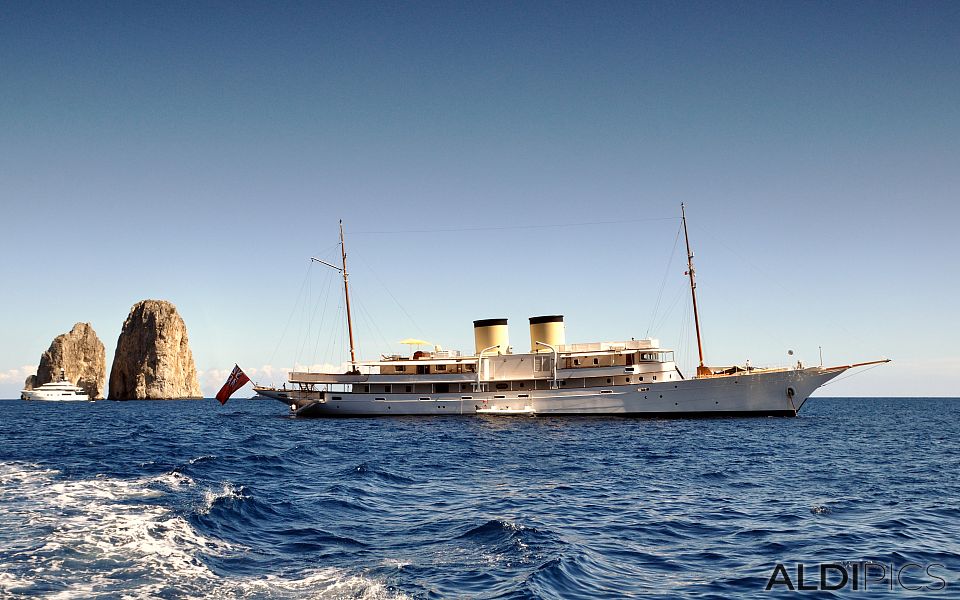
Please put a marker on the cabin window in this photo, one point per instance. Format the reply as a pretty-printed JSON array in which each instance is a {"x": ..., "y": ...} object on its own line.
[
  {"x": 400, "y": 368},
  {"x": 609, "y": 380},
  {"x": 576, "y": 362},
  {"x": 387, "y": 389},
  {"x": 596, "y": 361},
  {"x": 654, "y": 377},
  {"x": 628, "y": 380},
  {"x": 503, "y": 386},
  {"x": 521, "y": 385},
  {"x": 469, "y": 368},
  {"x": 563, "y": 382},
  {"x": 366, "y": 388},
  {"x": 441, "y": 367},
  {"x": 409, "y": 388},
  {"x": 441, "y": 388}
]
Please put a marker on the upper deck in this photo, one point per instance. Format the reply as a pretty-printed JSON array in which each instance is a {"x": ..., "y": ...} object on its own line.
[{"x": 596, "y": 359}]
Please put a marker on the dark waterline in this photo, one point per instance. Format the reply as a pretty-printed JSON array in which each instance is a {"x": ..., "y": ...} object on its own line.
[{"x": 186, "y": 499}]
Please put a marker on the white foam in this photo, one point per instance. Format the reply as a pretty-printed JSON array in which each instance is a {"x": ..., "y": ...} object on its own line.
[
  {"x": 227, "y": 490},
  {"x": 174, "y": 480},
  {"x": 326, "y": 582},
  {"x": 107, "y": 537}
]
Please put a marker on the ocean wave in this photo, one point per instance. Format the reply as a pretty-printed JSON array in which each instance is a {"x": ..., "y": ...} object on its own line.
[
  {"x": 226, "y": 493},
  {"x": 364, "y": 470},
  {"x": 108, "y": 537}
]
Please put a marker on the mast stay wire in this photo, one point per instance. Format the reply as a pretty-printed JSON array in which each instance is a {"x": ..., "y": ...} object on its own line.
[
  {"x": 849, "y": 375},
  {"x": 663, "y": 283},
  {"x": 671, "y": 306},
  {"x": 335, "y": 338},
  {"x": 300, "y": 347},
  {"x": 369, "y": 317},
  {"x": 323, "y": 315},
  {"x": 417, "y": 329},
  {"x": 776, "y": 282},
  {"x": 290, "y": 317},
  {"x": 512, "y": 227},
  {"x": 303, "y": 336}
]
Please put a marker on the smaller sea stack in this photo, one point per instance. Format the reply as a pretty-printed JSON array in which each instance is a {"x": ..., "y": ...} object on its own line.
[{"x": 80, "y": 355}]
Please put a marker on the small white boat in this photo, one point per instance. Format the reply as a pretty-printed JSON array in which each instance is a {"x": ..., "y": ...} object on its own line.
[{"x": 56, "y": 391}]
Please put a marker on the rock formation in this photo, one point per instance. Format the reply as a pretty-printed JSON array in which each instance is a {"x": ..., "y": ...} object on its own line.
[
  {"x": 80, "y": 355},
  {"x": 153, "y": 358}
]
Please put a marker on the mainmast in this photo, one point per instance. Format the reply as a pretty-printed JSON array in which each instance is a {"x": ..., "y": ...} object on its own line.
[
  {"x": 346, "y": 296},
  {"x": 701, "y": 370}
]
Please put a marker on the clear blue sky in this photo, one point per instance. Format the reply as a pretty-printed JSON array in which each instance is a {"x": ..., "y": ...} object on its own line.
[{"x": 523, "y": 158}]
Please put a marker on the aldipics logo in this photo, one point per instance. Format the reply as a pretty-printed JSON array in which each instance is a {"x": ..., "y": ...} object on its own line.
[{"x": 858, "y": 576}]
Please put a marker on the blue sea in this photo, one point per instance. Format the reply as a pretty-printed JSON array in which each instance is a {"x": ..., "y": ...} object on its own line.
[{"x": 188, "y": 499}]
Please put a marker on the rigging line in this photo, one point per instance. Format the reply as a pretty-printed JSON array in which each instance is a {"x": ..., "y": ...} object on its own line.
[
  {"x": 335, "y": 339},
  {"x": 512, "y": 227},
  {"x": 308, "y": 316},
  {"x": 671, "y": 306},
  {"x": 768, "y": 277},
  {"x": 323, "y": 315},
  {"x": 416, "y": 326},
  {"x": 685, "y": 335},
  {"x": 292, "y": 311},
  {"x": 849, "y": 375},
  {"x": 373, "y": 323},
  {"x": 663, "y": 283}
]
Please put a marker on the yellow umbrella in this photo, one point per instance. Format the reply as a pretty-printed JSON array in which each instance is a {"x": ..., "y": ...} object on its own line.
[{"x": 414, "y": 342}]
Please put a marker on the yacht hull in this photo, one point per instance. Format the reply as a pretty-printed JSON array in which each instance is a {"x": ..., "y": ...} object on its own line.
[{"x": 759, "y": 394}]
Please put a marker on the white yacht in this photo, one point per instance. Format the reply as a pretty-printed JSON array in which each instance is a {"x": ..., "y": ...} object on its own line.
[
  {"x": 56, "y": 391},
  {"x": 632, "y": 377}
]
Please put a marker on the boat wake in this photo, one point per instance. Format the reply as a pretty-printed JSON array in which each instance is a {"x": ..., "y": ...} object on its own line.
[{"x": 110, "y": 537}]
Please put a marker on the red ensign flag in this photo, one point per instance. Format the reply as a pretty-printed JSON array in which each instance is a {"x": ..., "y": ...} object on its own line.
[{"x": 236, "y": 381}]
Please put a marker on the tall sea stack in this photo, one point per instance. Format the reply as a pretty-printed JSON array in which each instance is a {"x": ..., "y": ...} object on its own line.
[
  {"x": 153, "y": 360},
  {"x": 81, "y": 357}
]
